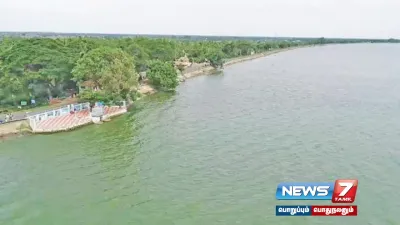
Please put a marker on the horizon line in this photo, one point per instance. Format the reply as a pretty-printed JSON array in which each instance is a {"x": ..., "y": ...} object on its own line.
[{"x": 193, "y": 35}]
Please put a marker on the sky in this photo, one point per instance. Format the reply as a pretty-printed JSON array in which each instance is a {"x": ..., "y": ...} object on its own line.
[{"x": 284, "y": 18}]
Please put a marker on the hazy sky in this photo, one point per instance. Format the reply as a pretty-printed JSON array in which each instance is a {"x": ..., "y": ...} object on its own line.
[{"x": 303, "y": 18}]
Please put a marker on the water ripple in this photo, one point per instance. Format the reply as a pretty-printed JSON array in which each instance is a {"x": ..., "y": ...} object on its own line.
[{"x": 213, "y": 152}]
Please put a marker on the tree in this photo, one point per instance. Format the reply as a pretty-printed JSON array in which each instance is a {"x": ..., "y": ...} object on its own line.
[
  {"x": 162, "y": 74},
  {"x": 41, "y": 61},
  {"x": 216, "y": 58},
  {"x": 140, "y": 56},
  {"x": 111, "y": 69}
]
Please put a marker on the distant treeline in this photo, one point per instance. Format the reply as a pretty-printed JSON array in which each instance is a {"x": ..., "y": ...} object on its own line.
[
  {"x": 186, "y": 37},
  {"x": 43, "y": 68}
]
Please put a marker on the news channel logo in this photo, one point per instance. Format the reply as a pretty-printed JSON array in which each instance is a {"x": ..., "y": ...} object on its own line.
[{"x": 341, "y": 191}]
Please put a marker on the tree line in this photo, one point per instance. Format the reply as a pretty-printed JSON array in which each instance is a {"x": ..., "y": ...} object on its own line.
[{"x": 44, "y": 68}]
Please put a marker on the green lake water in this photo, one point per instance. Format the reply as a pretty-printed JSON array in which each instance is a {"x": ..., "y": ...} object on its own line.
[{"x": 214, "y": 152}]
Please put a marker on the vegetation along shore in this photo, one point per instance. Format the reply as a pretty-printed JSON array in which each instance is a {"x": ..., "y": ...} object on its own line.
[{"x": 115, "y": 69}]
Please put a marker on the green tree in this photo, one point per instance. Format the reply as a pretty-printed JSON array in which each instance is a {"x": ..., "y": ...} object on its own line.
[
  {"x": 216, "y": 58},
  {"x": 111, "y": 69},
  {"x": 140, "y": 55},
  {"x": 44, "y": 61},
  {"x": 162, "y": 74}
]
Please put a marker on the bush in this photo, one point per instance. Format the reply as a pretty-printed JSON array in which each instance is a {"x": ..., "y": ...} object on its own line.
[{"x": 93, "y": 96}]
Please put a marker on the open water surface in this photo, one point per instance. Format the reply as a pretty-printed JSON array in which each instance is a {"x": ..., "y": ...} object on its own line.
[{"x": 213, "y": 153}]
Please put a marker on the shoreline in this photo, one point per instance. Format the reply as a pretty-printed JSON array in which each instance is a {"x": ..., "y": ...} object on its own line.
[
  {"x": 146, "y": 89},
  {"x": 13, "y": 129},
  {"x": 209, "y": 69}
]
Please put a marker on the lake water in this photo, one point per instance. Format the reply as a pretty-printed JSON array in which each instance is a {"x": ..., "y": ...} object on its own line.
[{"x": 214, "y": 152}]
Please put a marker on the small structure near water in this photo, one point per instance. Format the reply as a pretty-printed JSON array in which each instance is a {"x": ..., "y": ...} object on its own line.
[
  {"x": 97, "y": 114},
  {"x": 72, "y": 116}
]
